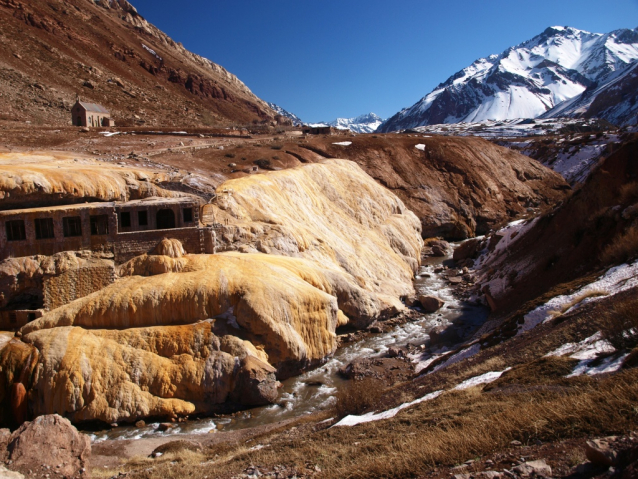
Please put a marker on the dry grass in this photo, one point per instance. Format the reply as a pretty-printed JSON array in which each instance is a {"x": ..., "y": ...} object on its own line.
[
  {"x": 622, "y": 248},
  {"x": 358, "y": 397},
  {"x": 620, "y": 325},
  {"x": 449, "y": 430}
]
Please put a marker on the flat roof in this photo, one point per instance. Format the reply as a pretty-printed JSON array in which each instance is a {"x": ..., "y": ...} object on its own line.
[
  {"x": 94, "y": 107},
  {"x": 153, "y": 200}
]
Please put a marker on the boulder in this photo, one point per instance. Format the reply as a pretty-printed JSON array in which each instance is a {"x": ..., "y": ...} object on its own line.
[
  {"x": 466, "y": 250},
  {"x": 440, "y": 248},
  {"x": 599, "y": 452},
  {"x": 177, "y": 446},
  {"x": 533, "y": 469},
  {"x": 51, "y": 441},
  {"x": 7, "y": 474},
  {"x": 430, "y": 304}
]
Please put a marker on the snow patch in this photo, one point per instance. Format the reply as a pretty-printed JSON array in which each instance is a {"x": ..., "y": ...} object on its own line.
[
  {"x": 353, "y": 420},
  {"x": 588, "y": 348},
  {"x": 420, "y": 146},
  {"x": 343, "y": 143},
  {"x": 614, "y": 281},
  {"x": 482, "y": 379}
]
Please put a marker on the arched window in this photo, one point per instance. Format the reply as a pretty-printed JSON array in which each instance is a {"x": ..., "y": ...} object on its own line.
[{"x": 165, "y": 219}]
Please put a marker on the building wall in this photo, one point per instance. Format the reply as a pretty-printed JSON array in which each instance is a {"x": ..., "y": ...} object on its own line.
[
  {"x": 49, "y": 246},
  {"x": 11, "y": 320},
  {"x": 136, "y": 243},
  {"x": 76, "y": 283}
]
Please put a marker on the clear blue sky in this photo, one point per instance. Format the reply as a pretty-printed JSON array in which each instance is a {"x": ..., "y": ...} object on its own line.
[{"x": 327, "y": 59}]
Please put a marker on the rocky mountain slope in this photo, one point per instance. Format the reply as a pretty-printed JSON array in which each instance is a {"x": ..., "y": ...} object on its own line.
[
  {"x": 614, "y": 100},
  {"x": 107, "y": 53},
  {"x": 296, "y": 121},
  {"x": 524, "y": 81}
]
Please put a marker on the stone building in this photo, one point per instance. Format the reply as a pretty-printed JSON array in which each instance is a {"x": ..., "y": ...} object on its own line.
[
  {"x": 90, "y": 114},
  {"x": 125, "y": 229},
  {"x": 117, "y": 230}
]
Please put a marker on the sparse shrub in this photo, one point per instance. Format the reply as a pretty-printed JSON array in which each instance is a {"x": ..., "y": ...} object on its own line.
[
  {"x": 358, "y": 397},
  {"x": 276, "y": 147},
  {"x": 622, "y": 248},
  {"x": 629, "y": 193},
  {"x": 620, "y": 327},
  {"x": 230, "y": 155}
]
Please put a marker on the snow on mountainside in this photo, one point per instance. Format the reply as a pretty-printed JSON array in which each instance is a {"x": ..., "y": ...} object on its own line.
[
  {"x": 615, "y": 101},
  {"x": 362, "y": 124},
  {"x": 280, "y": 111},
  {"x": 524, "y": 81}
]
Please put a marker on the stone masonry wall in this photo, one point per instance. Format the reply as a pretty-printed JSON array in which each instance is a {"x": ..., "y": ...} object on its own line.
[
  {"x": 76, "y": 283},
  {"x": 133, "y": 244}
]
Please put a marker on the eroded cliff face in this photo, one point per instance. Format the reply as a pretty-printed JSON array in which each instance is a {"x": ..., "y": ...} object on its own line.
[
  {"x": 35, "y": 179},
  {"x": 181, "y": 334}
]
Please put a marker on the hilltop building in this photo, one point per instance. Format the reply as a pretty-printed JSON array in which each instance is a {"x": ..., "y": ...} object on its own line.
[{"x": 90, "y": 114}]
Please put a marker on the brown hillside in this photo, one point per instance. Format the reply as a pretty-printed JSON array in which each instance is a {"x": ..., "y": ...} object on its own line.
[
  {"x": 458, "y": 187},
  {"x": 108, "y": 54},
  {"x": 596, "y": 227}
]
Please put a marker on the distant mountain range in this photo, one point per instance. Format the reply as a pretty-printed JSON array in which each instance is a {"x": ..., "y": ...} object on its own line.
[
  {"x": 563, "y": 71},
  {"x": 367, "y": 123}
]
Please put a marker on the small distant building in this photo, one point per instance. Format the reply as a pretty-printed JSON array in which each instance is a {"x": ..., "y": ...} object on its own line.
[
  {"x": 90, "y": 114},
  {"x": 321, "y": 130}
]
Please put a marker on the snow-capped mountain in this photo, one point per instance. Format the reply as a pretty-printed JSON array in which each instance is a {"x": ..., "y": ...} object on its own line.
[
  {"x": 367, "y": 123},
  {"x": 361, "y": 124},
  {"x": 615, "y": 101},
  {"x": 524, "y": 81},
  {"x": 296, "y": 121}
]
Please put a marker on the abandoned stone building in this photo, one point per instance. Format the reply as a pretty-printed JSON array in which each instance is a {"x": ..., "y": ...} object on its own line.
[
  {"x": 322, "y": 130},
  {"x": 116, "y": 231},
  {"x": 90, "y": 114}
]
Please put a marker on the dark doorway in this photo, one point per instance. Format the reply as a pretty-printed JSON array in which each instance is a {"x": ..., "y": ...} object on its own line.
[{"x": 165, "y": 219}]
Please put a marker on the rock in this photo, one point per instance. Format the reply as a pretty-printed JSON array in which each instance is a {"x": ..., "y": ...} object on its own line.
[
  {"x": 539, "y": 468},
  {"x": 165, "y": 426},
  {"x": 430, "y": 304},
  {"x": 51, "y": 441},
  {"x": 232, "y": 165},
  {"x": 85, "y": 129},
  {"x": 88, "y": 84},
  {"x": 118, "y": 81},
  {"x": 5, "y": 437},
  {"x": 395, "y": 353},
  {"x": 599, "y": 452},
  {"x": 176, "y": 446},
  {"x": 440, "y": 248},
  {"x": 516, "y": 443},
  {"x": 7, "y": 474},
  {"x": 455, "y": 279},
  {"x": 466, "y": 250},
  {"x": 140, "y": 424},
  {"x": 19, "y": 403}
]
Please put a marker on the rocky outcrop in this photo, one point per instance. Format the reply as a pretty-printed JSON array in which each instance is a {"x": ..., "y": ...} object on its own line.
[
  {"x": 31, "y": 180},
  {"x": 458, "y": 187},
  {"x": 182, "y": 334},
  {"x": 49, "y": 443}
]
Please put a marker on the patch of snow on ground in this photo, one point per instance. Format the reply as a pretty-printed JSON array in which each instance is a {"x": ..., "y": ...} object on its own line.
[
  {"x": 109, "y": 133},
  {"x": 420, "y": 364},
  {"x": 460, "y": 356},
  {"x": 353, "y": 420},
  {"x": 482, "y": 379},
  {"x": 607, "y": 365},
  {"x": 587, "y": 349},
  {"x": 614, "y": 281},
  {"x": 343, "y": 143},
  {"x": 420, "y": 146}
]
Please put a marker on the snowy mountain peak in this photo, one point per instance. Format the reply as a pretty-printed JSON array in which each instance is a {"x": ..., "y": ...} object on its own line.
[
  {"x": 366, "y": 123},
  {"x": 526, "y": 80},
  {"x": 296, "y": 121}
]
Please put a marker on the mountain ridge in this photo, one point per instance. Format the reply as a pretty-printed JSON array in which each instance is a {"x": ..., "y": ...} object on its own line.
[{"x": 524, "y": 81}]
